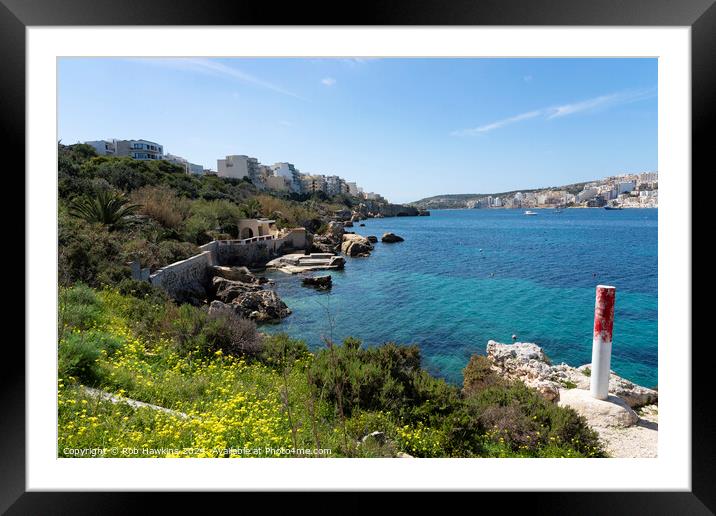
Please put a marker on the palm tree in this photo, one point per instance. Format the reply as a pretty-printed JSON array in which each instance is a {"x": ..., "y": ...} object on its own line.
[
  {"x": 108, "y": 208},
  {"x": 251, "y": 209}
]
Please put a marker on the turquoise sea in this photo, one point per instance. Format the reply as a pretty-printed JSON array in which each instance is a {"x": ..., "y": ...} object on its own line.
[{"x": 463, "y": 277}]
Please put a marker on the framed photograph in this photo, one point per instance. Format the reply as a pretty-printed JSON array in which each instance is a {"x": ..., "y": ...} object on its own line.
[{"x": 420, "y": 249}]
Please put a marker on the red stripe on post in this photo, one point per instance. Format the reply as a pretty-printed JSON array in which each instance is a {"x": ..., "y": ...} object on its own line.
[{"x": 604, "y": 312}]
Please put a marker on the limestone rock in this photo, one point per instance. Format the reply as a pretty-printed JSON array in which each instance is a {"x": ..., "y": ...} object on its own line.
[
  {"x": 356, "y": 245},
  {"x": 634, "y": 395},
  {"x": 227, "y": 290},
  {"x": 325, "y": 244},
  {"x": 390, "y": 238},
  {"x": 379, "y": 437},
  {"x": 612, "y": 412},
  {"x": 319, "y": 282},
  {"x": 527, "y": 362},
  {"x": 334, "y": 231},
  {"x": 242, "y": 274},
  {"x": 372, "y": 239},
  {"x": 261, "y": 306}
]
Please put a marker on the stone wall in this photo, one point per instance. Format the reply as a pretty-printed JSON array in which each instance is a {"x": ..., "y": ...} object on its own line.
[
  {"x": 187, "y": 279},
  {"x": 250, "y": 254}
]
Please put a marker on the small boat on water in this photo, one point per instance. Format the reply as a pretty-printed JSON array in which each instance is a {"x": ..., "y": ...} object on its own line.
[
  {"x": 613, "y": 208},
  {"x": 528, "y": 212}
]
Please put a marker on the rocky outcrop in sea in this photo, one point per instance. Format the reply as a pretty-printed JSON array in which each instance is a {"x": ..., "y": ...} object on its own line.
[
  {"x": 356, "y": 245},
  {"x": 390, "y": 238},
  {"x": 247, "y": 299}
]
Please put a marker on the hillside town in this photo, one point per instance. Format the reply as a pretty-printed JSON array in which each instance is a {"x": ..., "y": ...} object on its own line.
[
  {"x": 279, "y": 177},
  {"x": 639, "y": 190}
]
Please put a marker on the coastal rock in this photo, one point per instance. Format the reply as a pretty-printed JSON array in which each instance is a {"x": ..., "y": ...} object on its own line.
[
  {"x": 219, "y": 307},
  {"x": 634, "y": 395},
  {"x": 326, "y": 244},
  {"x": 319, "y": 282},
  {"x": 372, "y": 239},
  {"x": 227, "y": 290},
  {"x": 297, "y": 263},
  {"x": 527, "y": 362},
  {"x": 242, "y": 274},
  {"x": 378, "y": 437},
  {"x": 613, "y": 411},
  {"x": 356, "y": 245},
  {"x": 390, "y": 238},
  {"x": 330, "y": 240},
  {"x": 348, "y": 224},
  {"x": 260, "y": 306},
  {"x": 334, "y": 231}
]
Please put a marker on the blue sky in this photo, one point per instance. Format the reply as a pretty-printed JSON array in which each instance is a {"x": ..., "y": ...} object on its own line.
[{"x": 405, "y": 128}]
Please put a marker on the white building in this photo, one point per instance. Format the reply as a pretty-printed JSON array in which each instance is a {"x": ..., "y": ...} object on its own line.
[
  {"x": 238, "y": 166},
  {"x": 189, "y": 168},
  {"x": 352, "y": 188},
  {"x": 334, "y": 185},
  {"x": 625, "y": 187},
  {"x": 649, "y": 177},
  {"x": 103, "y": 147},
  {"x": 290, "y": 173},
  {"x": 587, "y": 194},
  {"x": 136, "y": 149}
]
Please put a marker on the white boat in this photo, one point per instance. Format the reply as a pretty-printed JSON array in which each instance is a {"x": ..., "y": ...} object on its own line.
[{"x": 528, "y": 212}]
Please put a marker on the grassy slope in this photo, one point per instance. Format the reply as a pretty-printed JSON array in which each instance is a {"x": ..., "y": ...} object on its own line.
[{"x": 125, "y": 346}]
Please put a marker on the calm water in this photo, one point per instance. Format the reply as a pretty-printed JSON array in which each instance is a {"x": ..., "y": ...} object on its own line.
[{"x": 463, "y": 277}]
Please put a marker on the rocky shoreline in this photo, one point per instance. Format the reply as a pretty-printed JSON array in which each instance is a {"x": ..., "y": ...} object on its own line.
[
  {"x": 627, "y": 421},
  {"x": 238, "y": 290}
]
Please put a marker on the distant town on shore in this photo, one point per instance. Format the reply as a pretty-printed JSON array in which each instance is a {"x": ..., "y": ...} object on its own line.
[
  {"x": 639, "y": 190},
  {"x": 629, "y": 190}
]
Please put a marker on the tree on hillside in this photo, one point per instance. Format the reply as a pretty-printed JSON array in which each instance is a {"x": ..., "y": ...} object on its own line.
[
  {"x": 251, "y": 209},
  {"x": 108, "y": 208}
]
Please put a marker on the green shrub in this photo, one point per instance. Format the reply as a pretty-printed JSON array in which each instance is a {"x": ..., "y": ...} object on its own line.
[
  {"x": 231, "y": 334},
  {"x": 142, "y": 290},
  {"x": 79, "y": 307},
  {"x": 280, "y": 349},
  {"x": 156, "y": 255},
  {"x": 88, "y": 253},
  {"x": 186, "y": 328},
  {"x": 162, "y": 204},
  {"x": 524, "y": 421},
  {"x": 478, "y": 374},
  {"x": 197, "y": 332},
  {"x": 78, "y": 354},
  {"x": 386, "y": 377}
]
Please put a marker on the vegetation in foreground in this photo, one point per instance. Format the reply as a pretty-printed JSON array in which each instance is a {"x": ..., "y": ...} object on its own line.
[{"x": 233, "y": 392}]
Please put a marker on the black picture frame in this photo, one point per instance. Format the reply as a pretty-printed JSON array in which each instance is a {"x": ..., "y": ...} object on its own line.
[{"x": 699, "y": 15}]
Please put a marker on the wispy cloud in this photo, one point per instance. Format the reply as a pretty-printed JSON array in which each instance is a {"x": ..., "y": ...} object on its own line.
[
  {"x": 216, "y": 69},
  {"x": 328, "y": 81},
  {"x": 359, "y": 60},
  {"x": 548, "y": 113}
]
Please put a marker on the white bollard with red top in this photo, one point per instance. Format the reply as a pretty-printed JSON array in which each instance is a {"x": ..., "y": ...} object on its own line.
[{"x": 602, "y": 343}]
